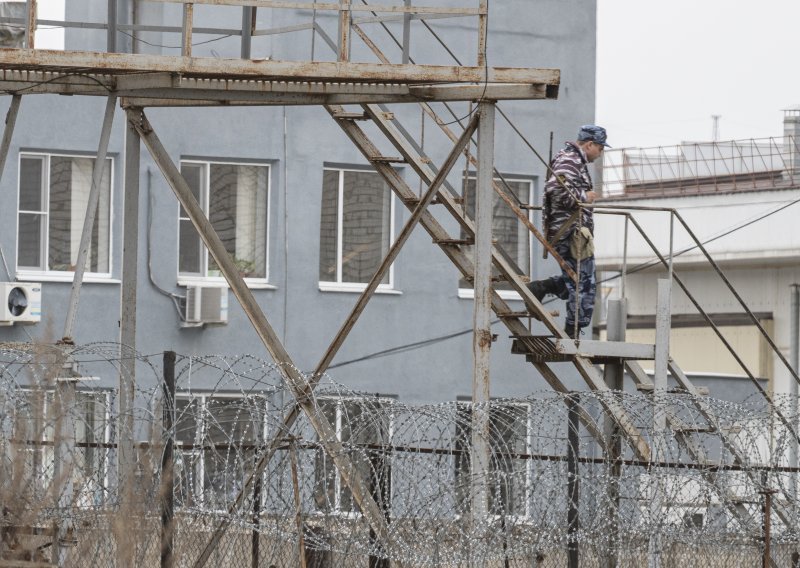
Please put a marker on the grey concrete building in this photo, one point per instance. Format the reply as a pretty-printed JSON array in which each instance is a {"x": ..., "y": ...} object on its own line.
[{"x": 294, "y": 201}]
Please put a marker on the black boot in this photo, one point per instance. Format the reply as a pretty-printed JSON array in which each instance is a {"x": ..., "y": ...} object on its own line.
[{"x": 541, "y": 288}]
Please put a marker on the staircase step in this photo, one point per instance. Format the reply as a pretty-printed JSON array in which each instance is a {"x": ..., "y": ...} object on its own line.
[
  {"x": 495, "y": 278},
  {"x": 511, "y": 315},
  {"x": 387, "y": 159},
  {"x": 413, "y": 202},
  {"x": 544, "y": 349},
  {"x": 350, "y": 116}
]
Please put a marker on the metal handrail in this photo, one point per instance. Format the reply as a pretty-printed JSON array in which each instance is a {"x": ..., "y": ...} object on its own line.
[
  {"x": 614, "y": 210},
  {"x": 786, "y": 422}
]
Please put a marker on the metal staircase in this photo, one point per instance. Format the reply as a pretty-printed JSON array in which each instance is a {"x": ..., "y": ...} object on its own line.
[
  {"x": 462, "y": 259},
  {"x": 539, "y": 350}
]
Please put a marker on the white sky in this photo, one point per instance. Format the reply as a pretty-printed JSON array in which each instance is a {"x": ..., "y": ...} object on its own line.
[
  {"x": 663, "y": 68},
  {"x": 50, "y": 38}
]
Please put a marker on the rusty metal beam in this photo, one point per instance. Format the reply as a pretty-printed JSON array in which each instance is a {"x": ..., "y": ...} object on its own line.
[
  {"x": 480, "y": 457},
  {"x": 30, "y": 25},
  {"x": 161, "y": 89},
  {"x": 186, "y": 30},
  {"x": 336, "y": 7},
  {"x": 82, "y": 62}
]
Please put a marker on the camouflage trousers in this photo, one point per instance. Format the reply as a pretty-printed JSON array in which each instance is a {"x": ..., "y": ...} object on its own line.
[{"x": 564, "y": 287}]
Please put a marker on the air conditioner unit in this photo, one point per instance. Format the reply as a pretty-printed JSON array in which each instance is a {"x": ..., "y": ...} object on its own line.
[
  {"x": 22, "y": 302},
  {"x": 206, "y": 305}
]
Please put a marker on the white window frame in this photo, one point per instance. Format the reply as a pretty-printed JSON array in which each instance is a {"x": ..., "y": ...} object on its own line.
[
  {"x": 339, "y": 485},
  {"x": 338, "y": 285},
  {"x": 206, "y": 280},
  {"x": 527, "y": 487},
  {"x": 469, "y": 293},
  {"x": 44, "y": 274},
  {"x": 198, "y": 461},
  {"x": 46, "y": 450}
]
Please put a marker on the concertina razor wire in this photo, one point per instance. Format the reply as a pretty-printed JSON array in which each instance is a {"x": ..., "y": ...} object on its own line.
[{"x": 550, "y": 487}]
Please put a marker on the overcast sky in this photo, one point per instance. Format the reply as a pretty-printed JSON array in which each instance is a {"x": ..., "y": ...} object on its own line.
[{"x": 663, "y": 68}]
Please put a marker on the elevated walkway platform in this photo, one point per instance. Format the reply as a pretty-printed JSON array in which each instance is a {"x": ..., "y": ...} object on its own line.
[
  {"x": 165, "y": 80},
  {"x": 547, "y": 349}
]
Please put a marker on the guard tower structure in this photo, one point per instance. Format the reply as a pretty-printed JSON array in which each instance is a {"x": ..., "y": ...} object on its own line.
[{"x": 355, "y": 95}]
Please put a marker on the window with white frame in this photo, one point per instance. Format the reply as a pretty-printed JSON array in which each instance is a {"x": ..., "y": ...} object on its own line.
[
  {"x": 362, "y": 431},
  {"x": 216, "y": 439},
  {"x": 53, "y": 197},
  {"x": 235, "y": 198},
  {"x": 508, "y": 479},
  {"x": 509, "y": 233},
  {"x": 356, "y": 226},
  {"x": 36, "y": 414}
]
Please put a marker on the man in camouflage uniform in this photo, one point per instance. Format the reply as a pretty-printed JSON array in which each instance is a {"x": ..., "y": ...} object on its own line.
[{"x": 569, "y": 185}]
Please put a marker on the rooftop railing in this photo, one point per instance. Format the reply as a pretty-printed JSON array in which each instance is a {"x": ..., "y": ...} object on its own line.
[
  {"x": 693, "y": 168},
  {"x": 21, "y": 22}
]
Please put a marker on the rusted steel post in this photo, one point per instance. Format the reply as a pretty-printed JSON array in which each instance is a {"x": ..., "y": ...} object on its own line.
[
  {"x": 613, "y": 375},
  {"x": 247, "y": 31},
  {"x": 573, "y": 485},
  {"x": 766, "y": 560},
  {"x": 111, "y": 40},
  {"x": 345, "y": 18},
  {"x": 255, "y": 540},
  {"x": 380, "y": 485},
  {"x": 406, "y": 33},
  {"x": 168, "y": 463},
  {"x": 30, "y": 26},
  {"x": 64, "y": 464},
  {"x": 127, "y": 329},
  {"x": 301, "y": 547},
  {"x": 481, "y": 322},
  {"x": 88, "y": 220},
  {"x": 483, "y": 19},
  {"x": 11, "y": 120},
  {"x": 186, "y": 31}
]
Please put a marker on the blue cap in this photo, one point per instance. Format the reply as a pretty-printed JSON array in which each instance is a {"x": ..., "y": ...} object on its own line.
[{"x": 593, "y": 133}]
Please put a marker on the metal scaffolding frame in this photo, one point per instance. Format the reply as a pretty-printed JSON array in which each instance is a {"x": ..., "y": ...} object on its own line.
[{"x": 139, "y": 82}]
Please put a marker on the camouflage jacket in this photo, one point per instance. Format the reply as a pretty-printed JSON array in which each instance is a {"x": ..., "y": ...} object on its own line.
[{"x": 561, "y": 199}]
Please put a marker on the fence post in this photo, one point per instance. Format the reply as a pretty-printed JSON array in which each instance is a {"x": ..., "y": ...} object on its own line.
[
  {"x": 255, "y": 544},
  {"x": 613, "y": 375},
  {"x": 168, "y": 464},
  {"x": 379, "y": 486},
  {"x": 573, "y": 486},
  {"x": 766, "y": 561}
]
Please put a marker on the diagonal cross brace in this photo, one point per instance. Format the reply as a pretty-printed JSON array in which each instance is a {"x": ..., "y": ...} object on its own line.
[
  {"x": 296, "y": 382},
  {"x": 419, "y": 212}
]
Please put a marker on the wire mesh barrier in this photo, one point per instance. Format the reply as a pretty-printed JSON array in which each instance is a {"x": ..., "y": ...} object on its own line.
[{"x": 219, "y": 462}]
